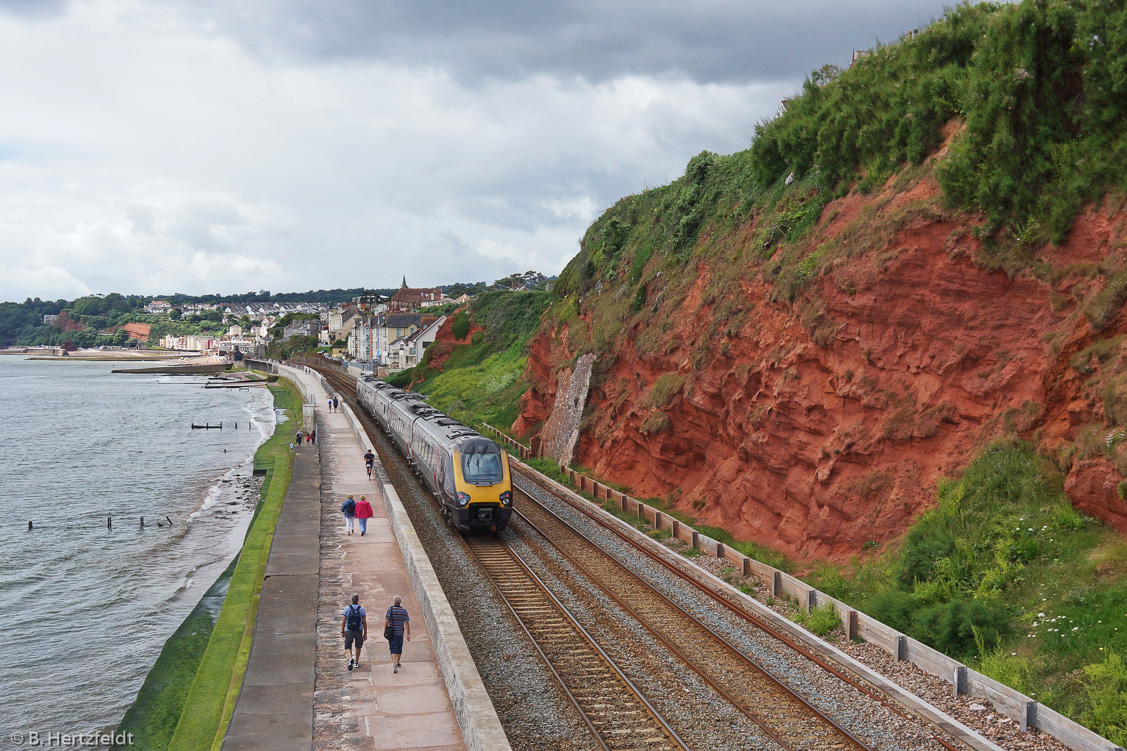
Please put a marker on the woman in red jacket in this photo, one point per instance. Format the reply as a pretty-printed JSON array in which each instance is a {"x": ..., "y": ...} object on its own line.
[{"x": 363, "y": 514}]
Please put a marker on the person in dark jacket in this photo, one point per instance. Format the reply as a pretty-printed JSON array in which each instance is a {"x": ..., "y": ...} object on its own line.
[{"x": 348, "y": 508}]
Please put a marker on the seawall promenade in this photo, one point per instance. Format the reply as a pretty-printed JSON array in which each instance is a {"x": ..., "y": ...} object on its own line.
[{"x": 298, "y": 692}]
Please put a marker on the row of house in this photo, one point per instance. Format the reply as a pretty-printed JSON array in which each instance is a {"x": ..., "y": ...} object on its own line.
[
  {"x": 392, "y": 340},
  {"x": 389, "y": 333},
  {"x": 255, "y": 310}
]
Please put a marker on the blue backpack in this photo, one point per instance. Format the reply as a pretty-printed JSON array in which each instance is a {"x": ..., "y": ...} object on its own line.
[{"x": 353, "y": 619}]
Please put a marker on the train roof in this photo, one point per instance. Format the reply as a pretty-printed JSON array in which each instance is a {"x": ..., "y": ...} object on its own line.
[
  {"x": 450, "y": 432},
  {"x": 435, "y": 423}
]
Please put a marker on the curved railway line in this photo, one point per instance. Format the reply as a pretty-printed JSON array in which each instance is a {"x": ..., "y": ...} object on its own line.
[{"x": 616, "y": 711}]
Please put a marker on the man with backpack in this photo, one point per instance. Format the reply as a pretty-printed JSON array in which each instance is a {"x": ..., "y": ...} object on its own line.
[
  {"x": 348, "y": 508},
  {"x": 354, "y": 629}
]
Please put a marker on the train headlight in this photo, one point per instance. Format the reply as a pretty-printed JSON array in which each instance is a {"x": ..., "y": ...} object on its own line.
[
  {"x": 507, "y": 498},
  {"x": 463, "y": 499}
]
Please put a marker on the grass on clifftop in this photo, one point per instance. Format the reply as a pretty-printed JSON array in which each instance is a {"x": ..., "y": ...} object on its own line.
[
  {"x": 482, "y": 380},
  {"x": 1033, "y": 96}
]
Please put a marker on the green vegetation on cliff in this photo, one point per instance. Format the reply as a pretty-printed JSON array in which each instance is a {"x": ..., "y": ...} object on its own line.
[
  {"x": 1034, "y": 96},
  {"x": 1017, "y": 112},
  {"x": 480, "y": 378},
  {"x": 1004, "y": 573}
]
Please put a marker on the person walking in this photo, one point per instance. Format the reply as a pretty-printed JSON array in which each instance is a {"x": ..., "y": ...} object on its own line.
[
  {"x": 363, "y": 514},
  {"x": 369, "y": 461},
  {"x": 313, "y": 436},
  {"x": 348, "y": 508},
  {"x": 297, "y": 438},
  {"x": 399, "y": 623},
  {"x": 354, "y": 629},
  {"x": 330, "y": 404}
]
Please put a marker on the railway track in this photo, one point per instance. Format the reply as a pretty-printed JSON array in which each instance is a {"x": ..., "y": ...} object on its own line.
[
  {"x": 618, "y": 716},
  {"x": 721, "y": 598},
  {"x": 613, "y": 708},
  {"x": 780, "y": 712},
  {"x": 616, "y": 711}
]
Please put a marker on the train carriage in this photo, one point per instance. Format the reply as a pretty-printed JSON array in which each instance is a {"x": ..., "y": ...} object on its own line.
[{"x": 467, "y": 473}]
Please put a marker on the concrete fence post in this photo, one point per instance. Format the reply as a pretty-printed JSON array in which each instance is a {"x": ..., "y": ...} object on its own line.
[
  {"x": 696, "y": 539},
  {"x": 851, "y": 625},
  {"x": 657, "y": 520},
  {"x": 811, "y": 600},
  {"x": 675, "y": 527},
  {"x": 1028, "y": 716},
  {"x": 719, "y": 550},
  {"x": 747, "y": 566},
  {"x": 960, "y": 680},
  {"x": 901, "y": 647},
  {"x": 777, "y": 584}
]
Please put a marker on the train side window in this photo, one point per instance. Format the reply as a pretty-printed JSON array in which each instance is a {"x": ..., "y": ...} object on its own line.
[{"x": 451, "y": 487}]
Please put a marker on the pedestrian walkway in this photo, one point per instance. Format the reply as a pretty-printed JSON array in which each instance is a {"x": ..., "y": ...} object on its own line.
[
  {"x": 276, "y": 699},
  {"x": 369, "y": 707}
]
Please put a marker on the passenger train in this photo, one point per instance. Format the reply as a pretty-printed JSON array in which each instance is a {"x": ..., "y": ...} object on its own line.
[{"x": 466, "y": 472}]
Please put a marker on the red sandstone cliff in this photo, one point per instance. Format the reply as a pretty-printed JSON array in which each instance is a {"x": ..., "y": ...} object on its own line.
[{"x": 818, "y": 425}]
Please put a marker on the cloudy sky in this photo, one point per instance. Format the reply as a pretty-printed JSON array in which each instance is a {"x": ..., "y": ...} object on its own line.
[{"x": 221, "y": 146}]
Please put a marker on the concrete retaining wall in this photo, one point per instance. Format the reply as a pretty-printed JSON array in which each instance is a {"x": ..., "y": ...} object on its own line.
[{"x": 1006, "y": 701}]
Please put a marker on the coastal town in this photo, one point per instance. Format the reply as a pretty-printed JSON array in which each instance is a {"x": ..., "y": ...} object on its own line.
[
  {"x": 386, "y": 333},
  {"x": 378, "y": 331}
]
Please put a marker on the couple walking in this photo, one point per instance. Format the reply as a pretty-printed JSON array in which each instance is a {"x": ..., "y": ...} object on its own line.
[
  {"x": 360, "y": 511},
  {"x": 354, "y": 629}
]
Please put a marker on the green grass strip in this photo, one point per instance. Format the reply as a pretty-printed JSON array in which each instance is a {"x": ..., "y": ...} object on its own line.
[
  {"x": 211, "y": 700},
  {"x": 153, "y": 715}
]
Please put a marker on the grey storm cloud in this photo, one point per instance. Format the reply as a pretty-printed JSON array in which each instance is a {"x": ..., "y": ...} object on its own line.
[
  {"x": 32, "y": 8},
  {"x": 726, "y": 41},
  {"x": 209, "y": 146}
]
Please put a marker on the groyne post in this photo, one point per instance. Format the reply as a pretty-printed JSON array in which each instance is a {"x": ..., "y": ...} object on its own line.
[{"x": 109, "y": 522}]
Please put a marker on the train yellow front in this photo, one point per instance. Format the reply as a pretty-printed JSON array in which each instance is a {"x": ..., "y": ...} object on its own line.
[{"x": 467, "y": 473}]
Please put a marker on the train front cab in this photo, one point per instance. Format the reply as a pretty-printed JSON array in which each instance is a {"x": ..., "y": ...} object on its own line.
[{"x": 482, "y": 494}]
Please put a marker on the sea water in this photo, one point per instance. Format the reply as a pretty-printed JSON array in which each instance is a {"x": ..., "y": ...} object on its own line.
[{"x": 85, "y": 608}]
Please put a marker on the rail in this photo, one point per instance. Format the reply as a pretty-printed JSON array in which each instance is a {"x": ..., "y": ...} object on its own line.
[
  {"x": 780, "y": 712},
  {"x": 614, "y": 710},
  {"x": 1026, "y": 711}
]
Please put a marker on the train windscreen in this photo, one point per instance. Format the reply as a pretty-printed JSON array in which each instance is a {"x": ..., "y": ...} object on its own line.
[{"x": 481, "y": 463}]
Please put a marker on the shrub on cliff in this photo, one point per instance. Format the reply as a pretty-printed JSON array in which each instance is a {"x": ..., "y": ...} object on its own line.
[{"x": 1041, "y": 87}]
